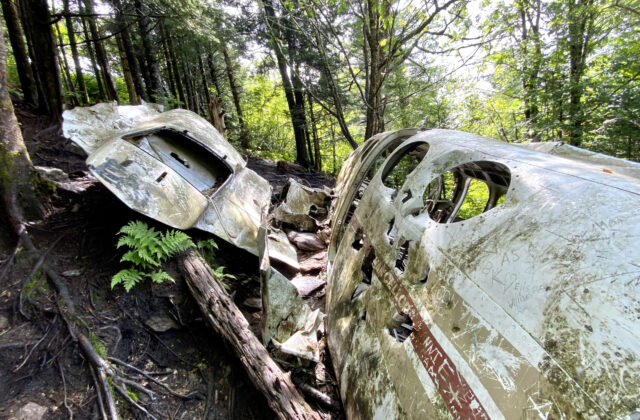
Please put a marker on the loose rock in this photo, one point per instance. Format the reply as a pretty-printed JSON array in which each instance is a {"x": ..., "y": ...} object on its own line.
[{"x": 31, "y": 411}]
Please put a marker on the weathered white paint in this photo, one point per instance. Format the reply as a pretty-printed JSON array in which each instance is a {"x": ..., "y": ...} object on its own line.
[{"x": 534, "y": 301}]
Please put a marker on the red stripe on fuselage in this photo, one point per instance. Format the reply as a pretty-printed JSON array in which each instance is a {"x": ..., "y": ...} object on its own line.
[{"x": 453, "y": 388}]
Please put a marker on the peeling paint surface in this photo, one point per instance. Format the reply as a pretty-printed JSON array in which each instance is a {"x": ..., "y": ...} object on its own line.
[{"x": 526, "y": 308}]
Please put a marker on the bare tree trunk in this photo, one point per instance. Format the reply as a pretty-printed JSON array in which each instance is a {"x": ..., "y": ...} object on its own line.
[
  {"x": 27, "y": 25},
  {"x": 16, "y": 37},
  {"x": 298, "y": 126},
  {"x": 94, "y": 65},
  {"x": 126, "y": 71},
  {"x": 338, "y": 111},
  {"x": 191, "y": 104},
  {"x": 176, "y": 72},
  {"x": 101, "y": 54},
  {"x": 82, "y": 87},
  {"x": 127, "y": 46},
  {"x": 244, "y": 137},
  {"x": 17, "y": 179},
  {"x": 167, "y": 57},
  {"x": 213, "y": 71},
  {"x": 203, "y": 75},
  {"x": 226, "y": 319},
  {"x": 149, "y": 52},
  {"x": 65, "y": 68},
  {"x": 316, "y": 142},
  {"x": 216, "y": 112},
  {"x": 45, "y": 55},
  {"x": 581, "y": 19}
]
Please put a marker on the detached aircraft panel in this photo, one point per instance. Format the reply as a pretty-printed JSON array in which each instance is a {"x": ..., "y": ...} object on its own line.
[
  {"x": 524, "y": 306},
  {"x": 175, "y": 168}
]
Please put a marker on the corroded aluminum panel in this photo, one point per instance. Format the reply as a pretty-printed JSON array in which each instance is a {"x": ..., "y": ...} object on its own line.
[
  {"x": 137, "y": 179},
  {"x": 528, "y": 310},
  {"x": 176, "y": 168},
  {"x": 90, "y": 127},
  {"x": 302, "y": 206}
]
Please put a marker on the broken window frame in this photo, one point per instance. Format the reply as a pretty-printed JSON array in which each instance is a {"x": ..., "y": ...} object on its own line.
[
  {"x": 463, "y": 174},
  {"x": 371, "y": 151},
  {"x": 181, "y": 135}
]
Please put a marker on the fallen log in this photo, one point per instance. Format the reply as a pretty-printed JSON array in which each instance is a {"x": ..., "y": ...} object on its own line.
[{"x": 227, "y": 320}]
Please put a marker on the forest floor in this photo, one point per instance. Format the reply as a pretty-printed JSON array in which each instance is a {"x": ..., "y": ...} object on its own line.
[{"x": 155, "y": 327}]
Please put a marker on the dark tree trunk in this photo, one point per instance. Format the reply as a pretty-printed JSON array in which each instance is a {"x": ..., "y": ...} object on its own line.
[
  {"x": 27, "y": 25},
  {"x": 94, "y": 65},
  {"x": 213, "y": 71},
  {"x": 203, "y": 74},
  {"x": 244, "y": 137},
  {"x": 45, "y": 56},
  {"x": 126, "y": 71},
  {"x": 581, "y": 15},
  {"x": 316, "y": 142},
  {"x": 127, "y": 46},
  {"x": 64, "y": 64},
  {"x": 82, "y": 87},
  {"x": 101, "y": 54},
  {"x": 16, "y": 37},
  {"x": 188, "y": 83},
  {"x": 149, "y": 52},
  {"x": 176, "y": 72},
  {"x": 167, "y": 58},
  {"x": 337, "y": 111},
  {"x": 17, "y": 178},
  {"x": 298, "y": 124}
]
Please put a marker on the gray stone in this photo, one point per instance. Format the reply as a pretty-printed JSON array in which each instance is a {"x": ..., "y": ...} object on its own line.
[
  {"x": 31, "y": 411},
  {"x": 161, "y": 323},
  {"x": 4, "y": 322}
]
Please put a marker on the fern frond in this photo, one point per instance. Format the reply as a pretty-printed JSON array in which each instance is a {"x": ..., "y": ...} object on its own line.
[
  {"x": 128, "y": 278},
  {"x": 207, "y": 245},
  {"x": 128, "y": 241},
  {"x": 148, "y": 248},
  {"x": 138, "y": 230},
  {"x": 147, "y": 257},
  {"x": 219, "y": 273},
  {"x": 160, "y": 276},
  {"x": 177, "y": 242}
]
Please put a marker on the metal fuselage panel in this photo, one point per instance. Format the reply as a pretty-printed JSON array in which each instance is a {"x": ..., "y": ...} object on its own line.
[{"x": 527, "y": 310}]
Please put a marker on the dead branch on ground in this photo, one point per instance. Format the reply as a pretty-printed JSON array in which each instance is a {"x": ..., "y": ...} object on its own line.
[{"x": 226, "y": 319}]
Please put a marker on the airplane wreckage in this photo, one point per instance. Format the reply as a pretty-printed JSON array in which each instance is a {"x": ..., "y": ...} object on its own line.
[{"x": 522, "y": 305}]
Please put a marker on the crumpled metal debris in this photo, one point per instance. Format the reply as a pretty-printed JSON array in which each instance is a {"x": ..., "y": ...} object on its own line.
[
  {"x": 287, "y": 321},
  {"x": 279, "y": 243},
  {"x": 176, "y": 168},
  {"x": 306, "y": 241},
  {"x": 302, "y": 206},
  {"x": 61, "y": 180}
]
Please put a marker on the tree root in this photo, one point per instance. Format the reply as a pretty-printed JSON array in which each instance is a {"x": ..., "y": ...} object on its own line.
[
  {"x": 106, "y": 376},
  {"x": 64, "y": 389}
]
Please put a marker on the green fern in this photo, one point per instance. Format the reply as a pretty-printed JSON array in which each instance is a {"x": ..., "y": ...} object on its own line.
[
  {"x": 129, "y": 277},
  {"x": 160, "y": 276},
  {"x": 219, "y": 274},
  {"x": 148, "y": 249},
  {"x": 207, "y": 245}
]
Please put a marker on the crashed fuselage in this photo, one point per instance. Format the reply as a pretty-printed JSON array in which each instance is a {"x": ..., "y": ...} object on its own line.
[{"x": 522, "y": 304}]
